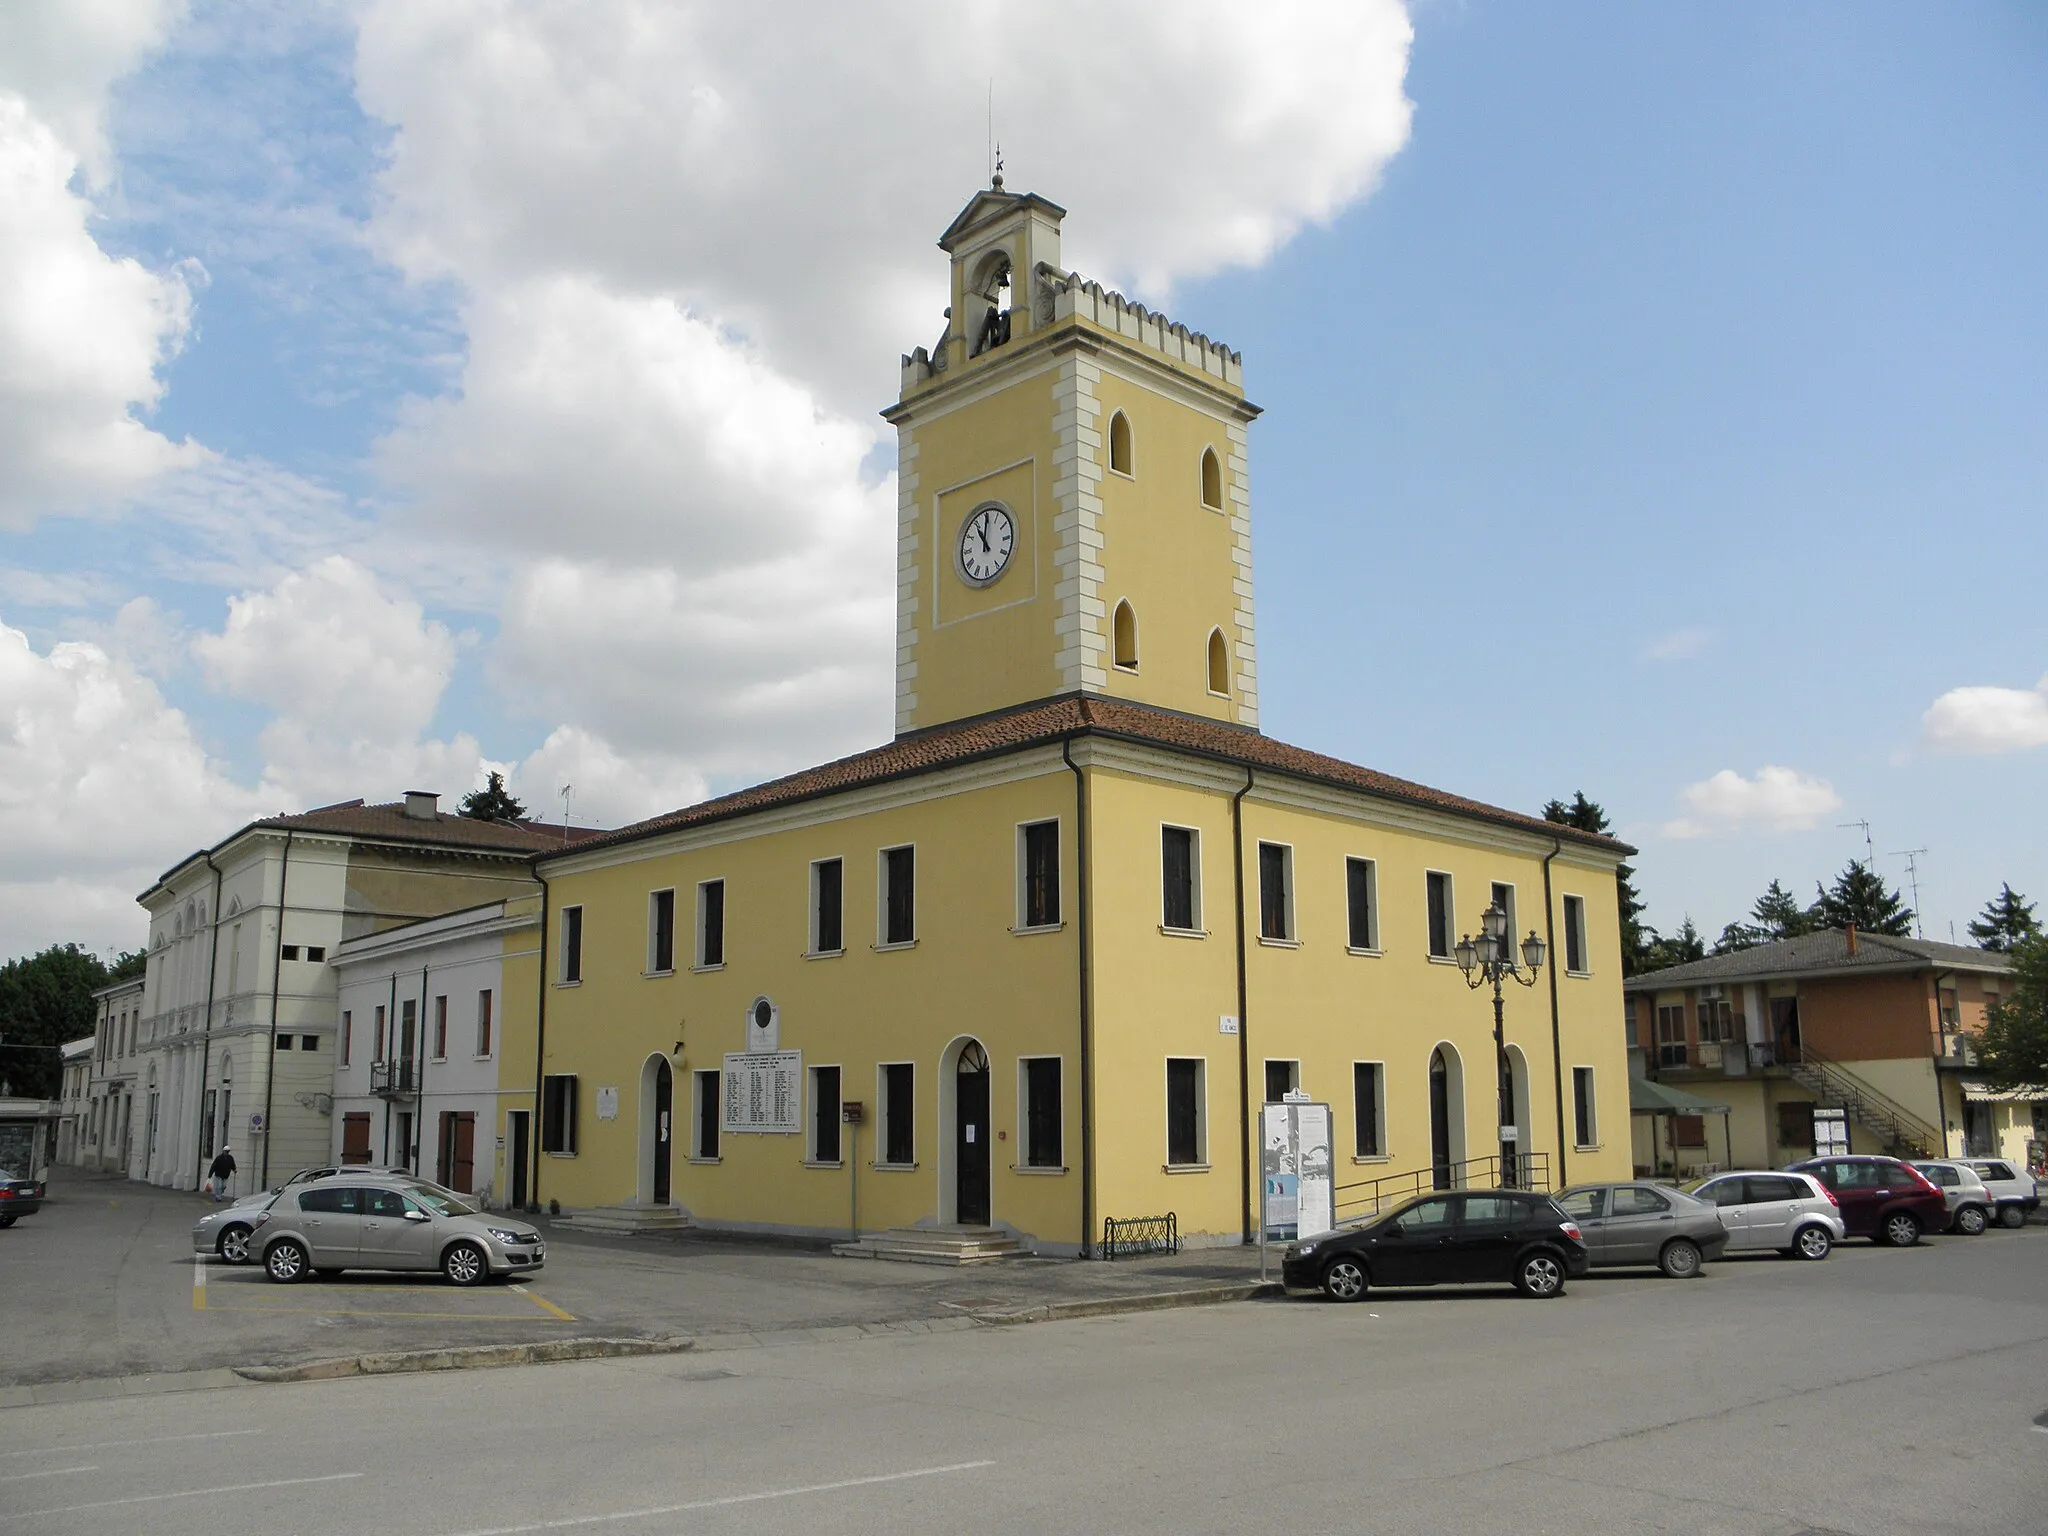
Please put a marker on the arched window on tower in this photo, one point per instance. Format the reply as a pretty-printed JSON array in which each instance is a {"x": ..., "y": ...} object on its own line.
[
  {"x": 992, "y": 294},
  {"x": 1125, "y": 638},
  {"x": 1212, "y": 480},
  {"x": 1219, "y": 663},
  {"x": 1120, "y": 443}
]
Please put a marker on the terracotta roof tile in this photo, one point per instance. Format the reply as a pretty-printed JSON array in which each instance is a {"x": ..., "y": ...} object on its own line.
[{"x": 1051, "y": 720}]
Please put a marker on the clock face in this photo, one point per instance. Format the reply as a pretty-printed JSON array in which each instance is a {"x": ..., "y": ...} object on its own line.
[{"x": 986, "y": 540}]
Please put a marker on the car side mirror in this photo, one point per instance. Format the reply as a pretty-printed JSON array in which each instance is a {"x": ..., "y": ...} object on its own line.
[
  {"x": 1393, "y": 1229},
  {"x": 413, "y": 1215}
]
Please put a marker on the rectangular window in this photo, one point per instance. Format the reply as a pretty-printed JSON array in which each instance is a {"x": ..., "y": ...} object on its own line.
[
  {"x": 1689, "y": 1130},
  {"x": 309, "y": 1042},
  {"x": 710, "y": 924},
  {"x": 1368, "y": 1108},
  {"x": 1276, "y": 891},
  {"x": 661, "y": 932},
  {"x": 441, "y": 1028},
  {"x": 1671, "y": 1035},
  {"x": 1362, "y": 901},
  {"x": 572, "y": 945},
  {"x": 1441, "y": 915},
  {"x": 826, "y": 882},
  {"x": 1041, "y": 1116},
  {"x": 824, "y": 1114},
  {"x": 1038, "y": 863},
  {"x": 284, "y": 1042},
  {"x": 704, "y": 1115},
  {"x": 348, "y": 1032},
  {"x": 316, "y": 951},
  {"x": 558, "y": 1112},
  {"x": 1717, "y": 1020},
  {"x": 898, "y": 1148},
  {"x": 899, "y": 895},
  {"x": 1282, "y": 1078},
  {"x": 1584, "y": 1126},
  {"x": 1184, "y": 1117},
  {"x": 1178, "y": 873},
  {"x": 1504, "y": 898},
  {"x": 288, "y": 952},
  {"x": 378, "y": 1055},
  {"x": 1575, "y": 935},
  {"x": 408, "y": 1029},
  {"x": 1795, "y": 1125},
  {"x": 483, "y": 1022}
]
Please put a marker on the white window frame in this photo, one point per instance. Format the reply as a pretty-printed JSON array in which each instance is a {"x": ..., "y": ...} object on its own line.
[
  {"x": 1291, "y": 939},
  {"x": 701, "y": 926},
  {"x": 1023, "y": 1163},
  {"x": 1201, "y": 1165},
  {"x": 440, "y": 1028},
  {"x": 653, "y": 901},
  {"x": 1194, "y": 880},
  {"x": 1293, "y": 1077},
  {"x": 1514, "y": 939},
  {"x": 882, "y": 939},
  {"x": 1380, "y": 1112},
  {"x": 882, "y": 1117},
  {"x": 562, "y": 948},
  {"x": 1585, "y": 966},
  {"x": 1449, "y": 956},
  {"x": 486, "y": 1018},
  {"x": 1372, "y": 904},
  {"x": 811, "y": 1158},
  {"x": 1590, "y": 1142},
  {"x": 1024, "y": 878},
  {"x": 813, "y": 951}
]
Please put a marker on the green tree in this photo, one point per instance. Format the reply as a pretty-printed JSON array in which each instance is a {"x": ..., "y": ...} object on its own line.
[
  {"x": 1587, "y": 816},
  {"x": 2008, "y": 918},
  {"x": 1776, "y": 915},
  {"x": 1860, "y": 896},
  {"x": 45, "y": 1000},
  {"x": 2013, "y": 1050},
  {"x": 1681, "y": 948},
  {"x": 493, "y": 802}
]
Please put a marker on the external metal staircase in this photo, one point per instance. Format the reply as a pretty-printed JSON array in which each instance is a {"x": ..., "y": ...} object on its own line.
[{"x": 1904, "y": 1133}]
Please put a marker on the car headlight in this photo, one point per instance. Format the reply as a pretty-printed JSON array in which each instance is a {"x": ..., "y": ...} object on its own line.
[
  {"x": 507, "y": 1235},
  {"x": 1303, "y": 1250}
]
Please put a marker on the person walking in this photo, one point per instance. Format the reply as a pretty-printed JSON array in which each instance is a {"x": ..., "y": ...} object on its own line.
[{"x": 218, "y": 1175}]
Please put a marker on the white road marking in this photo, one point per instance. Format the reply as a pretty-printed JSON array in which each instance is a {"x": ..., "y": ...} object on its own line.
[
  {"x": 22, "y": 1477},
  {"x": 730, "y": 1499},
  {"x": 109, "y": 1445},
  {"x": 184, "y": 1493}
]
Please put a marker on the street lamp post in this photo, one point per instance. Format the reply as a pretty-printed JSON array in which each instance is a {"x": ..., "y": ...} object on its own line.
[{"x": 1491, "y": 958}]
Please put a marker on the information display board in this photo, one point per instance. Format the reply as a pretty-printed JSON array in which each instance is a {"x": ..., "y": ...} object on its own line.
[
  {"x": 1297, "y": 1185},
  {"x": 764, "y": 1092}
]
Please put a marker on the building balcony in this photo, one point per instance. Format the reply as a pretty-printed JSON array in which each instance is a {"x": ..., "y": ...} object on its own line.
[{"x": 393, "y": 1079}]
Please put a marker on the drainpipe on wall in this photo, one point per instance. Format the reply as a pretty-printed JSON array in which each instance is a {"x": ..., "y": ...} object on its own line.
[
  {"x": 284, "y": 878},
  {"x": 1086, "y": 980},
  {"x": 1556, "y": 1034},
  {"x": 419, "y": 1129},
  {"x": 1244, "y": 1059},
  {"x": 386, "y": 1050},
  {"x": 206, "y": 1028},
  {"x": 540, "y": 1040},
  {"x": 1941, "y": 1039}
]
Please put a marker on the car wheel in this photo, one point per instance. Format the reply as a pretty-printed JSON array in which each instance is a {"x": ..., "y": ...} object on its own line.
[
  {"x": 1813, "y": 1243},
  {"x": 233, "y": 1246},
  {"x": 466, "y": 1264},
  {"x": 1902, "y": 1229},
  {"x": 1540, "y": 1274},
  {"x": 1680, "y": 1258},
  {"x": 2012, "y": 1216},
  {"x": 285, "y": 1262},
  {"x": 1970, "y": 1220},
  {"x": 1344, "y": 1279}
]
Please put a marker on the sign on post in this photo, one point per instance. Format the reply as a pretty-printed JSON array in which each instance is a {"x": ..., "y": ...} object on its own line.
[
  {"x": 1297, "y": 1197},
  {"x": 764, "y": 1092}
]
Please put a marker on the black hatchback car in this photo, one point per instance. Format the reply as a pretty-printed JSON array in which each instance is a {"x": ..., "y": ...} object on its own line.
[{"x": 1474, "y": 1237}]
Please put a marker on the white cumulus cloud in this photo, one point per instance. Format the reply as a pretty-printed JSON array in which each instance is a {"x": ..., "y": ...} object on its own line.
[
  {"x": 1984, "y": 721},
  {"x": 1776, "y": 799}
]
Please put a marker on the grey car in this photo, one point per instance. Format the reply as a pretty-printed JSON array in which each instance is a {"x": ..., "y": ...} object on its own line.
[
  {"x": 352, "y": 1222},
  {"x": 224, "y": 1231},
  {"x": 2015, "y": 1189},
  {"x": 1791, "y": 1213},
  {"x": 1970, "y": 1204},
  {"x": 1643, "y": 1224}
]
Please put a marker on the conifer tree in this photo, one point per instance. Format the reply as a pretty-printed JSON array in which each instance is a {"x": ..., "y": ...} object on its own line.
[
  {"x": 1636, "y": 938},
  {"x": 2008, "y": 918},
  {"x": 2013, "y": 1050},
  {"x": 1776, "y": 915},
  {"x": 1681, "y": 948},
  {"x": 493, "y": 802},
  {"x": 1860, "y": 896}
]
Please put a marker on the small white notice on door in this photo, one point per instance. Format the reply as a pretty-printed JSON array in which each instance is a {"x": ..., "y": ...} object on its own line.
[{"x": 970, "y": 1134}]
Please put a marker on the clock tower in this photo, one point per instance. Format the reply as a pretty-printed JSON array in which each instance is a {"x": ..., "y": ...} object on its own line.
[{"x": 1073, "y": 509}]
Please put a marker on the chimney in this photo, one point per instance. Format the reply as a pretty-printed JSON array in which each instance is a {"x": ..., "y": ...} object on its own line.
[
  {"x": 425, "y": 805},
  {"x": 1850, "y": 935}
]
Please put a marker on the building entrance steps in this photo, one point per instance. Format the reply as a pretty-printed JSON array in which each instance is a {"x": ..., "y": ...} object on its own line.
[
  {"x": 935, "y": 1245},
  {"x": 627, "y": 1220}
]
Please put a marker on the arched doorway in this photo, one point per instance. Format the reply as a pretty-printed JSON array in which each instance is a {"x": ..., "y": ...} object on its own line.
[
  {"x": 1514, "y": 1108},
  {"x": 1446, "y": 1116},
  {"x": 964, "y": 1077},
  {"x": 657, "y": 1129}
]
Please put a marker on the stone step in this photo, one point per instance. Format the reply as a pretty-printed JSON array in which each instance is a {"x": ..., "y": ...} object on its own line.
[
  {"x": 627, "y": 1220},
  {"x": 934, "y": 1245}
]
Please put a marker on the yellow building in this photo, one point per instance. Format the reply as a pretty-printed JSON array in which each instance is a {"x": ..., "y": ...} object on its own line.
[{"x": 1037, "y": 961}]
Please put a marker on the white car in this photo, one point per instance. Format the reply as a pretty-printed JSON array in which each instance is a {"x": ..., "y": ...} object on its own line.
[
  {"x": 1969, "y": 1201},
  {"x": 2015, "y": 1190},
  {"x": 1790, "y": 1213}
]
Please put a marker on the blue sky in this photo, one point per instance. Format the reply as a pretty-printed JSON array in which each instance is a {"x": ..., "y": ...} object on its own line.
[{"x": 1656, "y": 412}]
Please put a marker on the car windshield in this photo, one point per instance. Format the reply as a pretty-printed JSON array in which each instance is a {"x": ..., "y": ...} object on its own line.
[{"x": 442, "y": 1202}]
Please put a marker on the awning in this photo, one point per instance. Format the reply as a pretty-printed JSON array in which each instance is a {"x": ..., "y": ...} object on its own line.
[
  {"x": 1649, "y": 1097},
  {"x": 1985, "y": 1093}
]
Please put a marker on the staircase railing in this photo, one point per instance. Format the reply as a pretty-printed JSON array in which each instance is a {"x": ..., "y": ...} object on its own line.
[
  {"x": 1366, "y": 1198},
  {"x": 1876, "y": 1110}
]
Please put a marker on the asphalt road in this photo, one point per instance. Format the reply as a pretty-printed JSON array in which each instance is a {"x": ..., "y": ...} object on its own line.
[{"x": 1877, "y": 1392}]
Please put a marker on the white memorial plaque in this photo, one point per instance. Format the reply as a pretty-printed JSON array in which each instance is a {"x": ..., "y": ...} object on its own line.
[
  {"x": 764, "y": 1092},
  {"x": 764, "y": 1026},
  {"x": 607, "y": 1103}
]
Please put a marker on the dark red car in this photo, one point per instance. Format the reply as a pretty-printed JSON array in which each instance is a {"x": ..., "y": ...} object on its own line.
[{"x": 1881, "y": 1198}]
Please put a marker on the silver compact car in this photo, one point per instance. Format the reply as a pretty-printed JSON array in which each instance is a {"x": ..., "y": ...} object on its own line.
[
  {"x": 1645, "y": 1224},
  {"x": 1791, "y": 1213},
  {"x": 224, "y": 1231},
  {"x": 353, "y": 1222}
]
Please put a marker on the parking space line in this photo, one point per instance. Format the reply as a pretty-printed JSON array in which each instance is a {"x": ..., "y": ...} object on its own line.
[
  {"x": 198, "y": 1282},
  {"x": 22, "y": 1477},
  {"x": 183, "y": 1493},
  {"x": 110, "y": 1445},
  {"x": 544, "y": 1304},
  {"x": 460, "y": 1317}
]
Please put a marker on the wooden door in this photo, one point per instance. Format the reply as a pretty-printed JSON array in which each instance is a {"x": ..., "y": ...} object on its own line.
[
  {"x": 462, "y": 1162},
  {"x": 516, "y": 1150},
  {"x": 355, "y": 1138},
  {"x": 970, "y": 1149}
]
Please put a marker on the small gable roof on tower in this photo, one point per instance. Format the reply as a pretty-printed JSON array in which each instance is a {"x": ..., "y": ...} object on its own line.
[{"x": 989, "y": 204}]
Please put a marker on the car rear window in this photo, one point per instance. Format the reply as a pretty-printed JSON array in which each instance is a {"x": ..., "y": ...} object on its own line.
[{"x": 1994, "y": 1171}]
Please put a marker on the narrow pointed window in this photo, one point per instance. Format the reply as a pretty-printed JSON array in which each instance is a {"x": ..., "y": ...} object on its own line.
[
  {"x": 1212, "y": 480},
  {"x": 1120, "y": 443},
  {"x": 1126, "y": 637},
  {"x": 1219, "y": 663}
]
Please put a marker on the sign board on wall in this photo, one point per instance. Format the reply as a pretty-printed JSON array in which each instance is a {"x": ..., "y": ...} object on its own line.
[
  {"x": 1297, "y": 1185},
  {"x": 607, "y": 1103},
  {"x": 764, "y": 1092}
]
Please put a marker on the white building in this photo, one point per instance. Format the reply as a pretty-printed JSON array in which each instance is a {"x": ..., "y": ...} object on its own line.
[
  {"x": 239, "y": 1006},
  {"x": 416, "y": 1080},
  {"x": 109, "y": 1124},
  {"x": 72, "y": 1100}
]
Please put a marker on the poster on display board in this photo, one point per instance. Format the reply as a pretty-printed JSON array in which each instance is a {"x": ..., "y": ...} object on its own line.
[{"x": 1297, "y": 1189}]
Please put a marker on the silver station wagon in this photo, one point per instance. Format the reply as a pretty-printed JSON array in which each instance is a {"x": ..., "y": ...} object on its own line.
[{"x": 357, "y": 1223}]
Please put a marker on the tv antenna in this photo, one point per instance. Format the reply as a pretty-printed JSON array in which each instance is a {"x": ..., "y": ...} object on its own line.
[
  {"x": 565, "y": 792},
  {"x": 1913, "y": 878},
  {"x": 1869, "y": 848}
]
